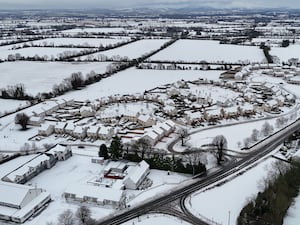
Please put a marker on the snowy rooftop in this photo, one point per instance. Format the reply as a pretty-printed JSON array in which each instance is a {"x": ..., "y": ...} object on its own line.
[{"x": 138, "y": 172}]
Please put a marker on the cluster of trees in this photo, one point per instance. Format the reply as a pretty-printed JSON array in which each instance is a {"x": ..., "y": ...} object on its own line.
[
  {"x": 81, "y": 217},
  {"x": 141, "y": 150},
  {"x": 15, "y": 92},
  {"x": 174, "y": 66},
  {"x": 271, "y": 205},
  {"x": 266, "y": 130}
]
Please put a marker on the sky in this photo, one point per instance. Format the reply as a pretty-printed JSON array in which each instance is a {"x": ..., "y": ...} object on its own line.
[{"x": 115, "y": 4}]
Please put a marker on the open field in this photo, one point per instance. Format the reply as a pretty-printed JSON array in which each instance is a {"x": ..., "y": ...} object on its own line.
[
  {"x": 284, "y": 54},
  {"x": 41, "y": 76},
  {"x": 210, "y": 51}
]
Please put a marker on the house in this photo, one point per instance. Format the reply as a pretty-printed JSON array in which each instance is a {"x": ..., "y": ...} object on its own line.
[
  {"x": 145, "y": 120},
  {"x": 35, "y": 120},
  {"x": 95, "y": 195},
  {"x": 80, "y": 132},
  {"x": 115, "y": 167},
  {"x": 136, "y": 175},
  {"x": 20, "y": 202},
  {"x": 69, "y": 129},
  {"x": 152, "y": 137},
  {"x": 131, "y": 116},
  {"x": 160, "y": 132},
  {"x": 86, "y": 111},
  {"x": 105, "y": 133},
  {"x": 93, "y": 131},
  {"x": 168, "y": 127},
  {"x": 46, "y": 130},
  {"x": 60, "y": 152},
  {"x": 59, "y": 128}
]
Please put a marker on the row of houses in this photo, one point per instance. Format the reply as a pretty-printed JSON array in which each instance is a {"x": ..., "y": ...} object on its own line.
[
  {"x": 159, "y": 131},
  {"x": 80, "y": 132}
]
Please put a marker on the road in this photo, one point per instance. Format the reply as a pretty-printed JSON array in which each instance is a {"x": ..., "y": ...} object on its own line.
[{"x": 257, "y": 152}]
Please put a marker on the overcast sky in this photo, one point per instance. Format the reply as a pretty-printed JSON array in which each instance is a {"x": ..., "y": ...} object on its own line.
[{"x": 147, "y": 3}]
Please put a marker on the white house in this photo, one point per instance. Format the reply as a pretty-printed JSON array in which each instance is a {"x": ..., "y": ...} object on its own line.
[
  {"x": 60, "y": 152},
  {"x": 20, "y": 202},
  {"x": 168, "y": 127},
  {"x": 145, "y": 120},
  {"x": 59, "y": 128},
  {"x": 95, "y": 195},
  {"x": 80, "y": 132},
  {"x": 46, "y": 130},
  {"x": 35, "y": 120},
  {"x": 136, "y": 175},
  {"x": 93, "y": 131},
  {"x": 152, "y": 137},
  {"x": 69, "y": 129},
  {"x": 105, "y": 133},
  {"x": 86, "y": 111}
]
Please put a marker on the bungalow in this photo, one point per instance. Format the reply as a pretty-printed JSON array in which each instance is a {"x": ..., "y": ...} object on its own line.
[
  {"x": 95, "y": 195},
  {"x": 20, "y": 202},
  {"x": 46, "y": 130},
  {"x": 29, "y": 170},
  {"x": 136, "y": 175}
]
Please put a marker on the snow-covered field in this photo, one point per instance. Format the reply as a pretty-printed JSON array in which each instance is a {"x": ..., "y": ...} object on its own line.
[
  {"x": 293, "y": 216},
  {"x": 95, "y": 30},
  {"x": 41, "y": 76},
  {"x": 150, "y": 219},
  {"x": 39, "y": 51},
  {"x": 133, "y": 81},
  {"x": 233, "y": 134},
  {"x": 210, "y": 51},
  {"x": 284, "y": 54},
  {"x": 10, "y": 105},
  {"x": 216, "y": 204},
  {"x": 135, "y": 49},
  {"x": 94, "y": 42}
]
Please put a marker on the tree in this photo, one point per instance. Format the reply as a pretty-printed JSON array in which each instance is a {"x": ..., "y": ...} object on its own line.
[
  {"x": 142, "y": 145},
  {"x": 103, "y": 152},
  {"x": 220, "y": 143},
  {"x": 116, "y": 148},
  {"x": 266, "y": 129},
  {"x": 76, "y": 80},
  {"x": 83, "y": 214},
  {"x": 66, "y": 218},
  {"x": 183, "y": 134},
  {"x": 255, "y": 135},
  {"x": 22, "y": 119}
]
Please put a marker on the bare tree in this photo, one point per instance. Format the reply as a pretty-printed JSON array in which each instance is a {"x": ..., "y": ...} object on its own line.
[
  {"x": 266, "y": 129},
  {"x": 66, "y": 218},
  {"x": 22, "y": 119},
  {"x": 143, "y": 146},
  {"x": 247, "y": 142},
  {"x": 83, "y": 214},
  {"x": 220, "y": 143},
  {"x": 255, "y": 135},
  {"x": 183, "y": 134}
]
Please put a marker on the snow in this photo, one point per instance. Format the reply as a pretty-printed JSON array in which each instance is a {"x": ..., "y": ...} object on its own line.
[
  {"x": 40, "y": 51},
  {"x": 284, "y": 54},
  {"x": 293, "y": 216},
  {"x": 135, "y": 49},
  {"x": 41, "y": 76},
  {"x": 125, "y": 82},
  {"x": 229, "y": 194},
  {"x": 95, "y": 30},
  {"x": 210, "y": 51},
  {"x": 10, "y": 105},
  {"x": 95, "y": 42},
  {"x": 156, "y": 219}
]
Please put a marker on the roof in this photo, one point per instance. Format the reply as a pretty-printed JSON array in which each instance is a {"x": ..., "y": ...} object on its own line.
[
  {"x": 60, "y": 125},
  {"x": 138, "y": 172},
  {"x": 93, "y": 129},
  {"x": 101, "y": 193},
  {"x": 57, "y": 148},
  {"x": 14, "y": 194},
  {"x": 144, "y": 118}
]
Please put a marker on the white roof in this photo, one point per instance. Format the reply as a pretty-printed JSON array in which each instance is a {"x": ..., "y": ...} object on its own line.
[
  {"x": 93, "y": 129},
  {"x": 101, "y": 193},
  {"x": 144, "y": 118},
  {"x": 60, "y": 125},
  {"x": 105, "y": 130},
  {"x": 35, "y": 118},
  {"x": 170, "y": 123},
  {"x": 138, "y": 172},
  {"x": 151, "y": 135},
  {"x": 158, "y": 130},
  {"x": 13, "y": 193},
  {"x": 57, "y": 148},
  {"x": 70, "y": 126}
]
